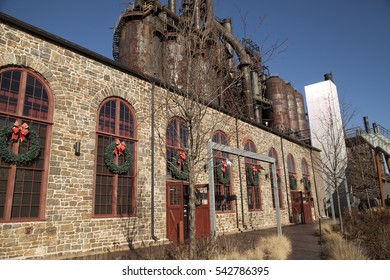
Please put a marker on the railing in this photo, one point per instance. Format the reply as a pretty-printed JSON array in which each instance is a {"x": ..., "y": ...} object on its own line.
[{"x": 378, "y": 129}]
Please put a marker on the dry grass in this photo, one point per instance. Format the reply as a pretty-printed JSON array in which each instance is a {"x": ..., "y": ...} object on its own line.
[
  {"x": 267, "y": 248},
  {"x": 326, "y": 228},
  {"x": 275, "y": 247},
  {"x": 337, "y": 248}
]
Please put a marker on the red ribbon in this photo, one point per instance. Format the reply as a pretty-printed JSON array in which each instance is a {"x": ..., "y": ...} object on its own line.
[
  {"x": 277, "y": 175},
  {"x": 119, "y": 148},
  {"x": 254, "y": 169},
  {"x": 19, "y": 131},
  {"x": 182, "y": 158},
  {"x": 223, "y": 167}
]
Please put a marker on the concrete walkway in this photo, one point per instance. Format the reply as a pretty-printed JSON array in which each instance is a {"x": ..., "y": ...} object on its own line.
[{"x": 305, "y": 245}]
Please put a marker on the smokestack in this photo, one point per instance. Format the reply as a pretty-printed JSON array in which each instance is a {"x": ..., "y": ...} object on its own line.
[
  {"x": 366, "y": 124},
  {"x": 328, "y": 77},
  {"x": 172, "y": 5}
]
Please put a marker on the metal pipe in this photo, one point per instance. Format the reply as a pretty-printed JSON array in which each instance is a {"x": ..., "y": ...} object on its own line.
[
  {"x": 255, "y": 92},
  {"x": 366, "y": 124},
  {"x": 172, "y": 5}
]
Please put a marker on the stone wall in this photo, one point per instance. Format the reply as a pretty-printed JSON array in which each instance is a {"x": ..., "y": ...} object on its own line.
[{"x": 79, "y": 83}]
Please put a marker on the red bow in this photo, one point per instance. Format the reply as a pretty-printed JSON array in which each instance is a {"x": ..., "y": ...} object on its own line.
[
  {"x": 277, "y": 175},
  {"x": 254, "y": 169},
  {"x": 119, "y": 148},
  {"x": 19, "y": 131},
  {"x": 182, "y": 158},
  {"x": 223, "y": 167}
]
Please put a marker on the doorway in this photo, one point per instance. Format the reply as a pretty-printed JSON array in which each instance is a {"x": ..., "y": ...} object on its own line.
[{"x": 178, "y": 194}]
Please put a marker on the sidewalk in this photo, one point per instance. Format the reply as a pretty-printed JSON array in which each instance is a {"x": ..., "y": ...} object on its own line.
[{"x": 305, "y": 245}]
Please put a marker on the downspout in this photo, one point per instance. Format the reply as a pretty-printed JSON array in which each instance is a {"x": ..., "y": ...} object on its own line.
[
  {"x": 239, "y": 175},
  {"x": 285, "y": 179},
  {"x": 154, "y": 237}
]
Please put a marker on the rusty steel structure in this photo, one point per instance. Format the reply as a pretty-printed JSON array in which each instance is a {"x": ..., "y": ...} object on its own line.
[{"x": 147, "y": 38}]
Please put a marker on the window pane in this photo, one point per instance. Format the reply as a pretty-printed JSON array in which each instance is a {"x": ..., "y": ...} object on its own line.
[
  {"x": 25, "y": 188},
  {"x": 107, "y": 117},
  {"x": 36, "y": 103},
  {"x": 126, "y": 125},
  {"x": 9, "y": 91},
  {"x": 103, "y": 195}
]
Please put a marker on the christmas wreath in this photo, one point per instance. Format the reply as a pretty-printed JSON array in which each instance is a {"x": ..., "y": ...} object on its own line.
[
  {"x": 307, "y": 183},
  {"x": 223, "y": 168},
  {"x": 293, "y": 182},
  {"x": 252, "y": 174},
  {"x": 117, "y": 148},
  {"x": 179, "y": 166},
  {"x": 19, "y": 133}
]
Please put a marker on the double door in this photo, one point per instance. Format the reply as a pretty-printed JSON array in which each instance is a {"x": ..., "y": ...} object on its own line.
[{"x": 178, "y": 211}]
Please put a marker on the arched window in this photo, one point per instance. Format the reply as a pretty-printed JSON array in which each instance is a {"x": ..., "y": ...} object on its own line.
[
  {"x": 306, "y": 176},
  {"x": 222, "y": 175},
  {"x": 252, "y": 170},
  {"x": 176, "y": 146},
  {"x": 272, "y": 153},
  {"x": 115, "y": 189},
  {"x": 292, "y": 175},
  {"x": 25, "y": 100}
]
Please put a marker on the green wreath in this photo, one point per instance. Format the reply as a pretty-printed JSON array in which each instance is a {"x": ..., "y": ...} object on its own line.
[
  {"x": 223, "y": 180},
  {"x": 293, "y": 182},
  {"x": 307, "y": 183},
  {"x": 19, "y": 159},
  {"x": 108, "y": 159},
  {"x": 252, "y": 180},
  {"x": 179, "y": 174}
]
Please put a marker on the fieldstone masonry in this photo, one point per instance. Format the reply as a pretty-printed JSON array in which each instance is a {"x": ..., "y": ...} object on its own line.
[{"x": 79, "y": 82}]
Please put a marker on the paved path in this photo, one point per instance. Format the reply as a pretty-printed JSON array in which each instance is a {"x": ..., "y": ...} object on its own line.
[{"x": 305, "y": 245}]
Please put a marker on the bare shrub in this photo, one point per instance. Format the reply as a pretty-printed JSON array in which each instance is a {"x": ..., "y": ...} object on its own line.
[
  {"x": 275, "y": 247},
  {"x": 326, "y": 228},
  {"x": 372, "y": 230}
]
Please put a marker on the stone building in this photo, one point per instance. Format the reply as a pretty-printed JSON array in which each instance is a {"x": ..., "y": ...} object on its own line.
[{"x": 67, "y": 188}]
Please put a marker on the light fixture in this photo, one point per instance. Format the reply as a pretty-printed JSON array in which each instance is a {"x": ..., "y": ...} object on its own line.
[{"x": 77, "y": 148}]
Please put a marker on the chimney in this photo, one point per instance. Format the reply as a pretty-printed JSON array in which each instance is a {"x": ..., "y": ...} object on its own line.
[
  {"x": 328, "y": 77},
  {"x": 172, "y": 5}
]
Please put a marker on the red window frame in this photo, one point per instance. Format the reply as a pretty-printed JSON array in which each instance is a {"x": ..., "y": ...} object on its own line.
[
  {"x": 115, "y": 194},
  {"x": 253, "y": 191},
  {"x": 25, "y": 97},
  {"x": 176, "y": 141},
  {"x": 272, "y": 153},
  {"x": 223, "y": 192},
  {"x": 292, "y": 174}
]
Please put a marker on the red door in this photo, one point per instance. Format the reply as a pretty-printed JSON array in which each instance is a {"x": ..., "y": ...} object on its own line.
[
  {"x": 301, "y": 208},
  {"x": 175, "y": 212},
  {"x": 202, "y": 212}
]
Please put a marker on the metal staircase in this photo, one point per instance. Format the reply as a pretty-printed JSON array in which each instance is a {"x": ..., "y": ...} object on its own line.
[{"x": 379, "y": 139}]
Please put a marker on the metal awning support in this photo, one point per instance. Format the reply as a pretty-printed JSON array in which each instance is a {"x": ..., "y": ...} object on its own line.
[{"x": 242, "y": 153}]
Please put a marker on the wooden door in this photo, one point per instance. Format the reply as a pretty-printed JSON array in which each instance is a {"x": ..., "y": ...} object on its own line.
[
  {"x": 175, "y": 213},
  {"x": 296, "y": 205},
  {"x": 202, "y": 213}
]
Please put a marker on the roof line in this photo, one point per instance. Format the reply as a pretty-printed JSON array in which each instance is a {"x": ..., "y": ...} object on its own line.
[{"x": 47, "y": 36}]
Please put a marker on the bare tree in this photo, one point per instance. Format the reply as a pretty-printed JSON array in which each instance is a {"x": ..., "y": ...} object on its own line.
[
  {"x": 328, "y": 135},
  {"x": 203, "y": 79}
]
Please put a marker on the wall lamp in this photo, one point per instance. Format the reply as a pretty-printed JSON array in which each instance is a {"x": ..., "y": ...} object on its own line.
[{"x": 77, "y": 147}]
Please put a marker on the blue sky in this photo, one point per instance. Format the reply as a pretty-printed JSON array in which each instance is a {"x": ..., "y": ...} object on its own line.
[{"x": 350, "y": 38}]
